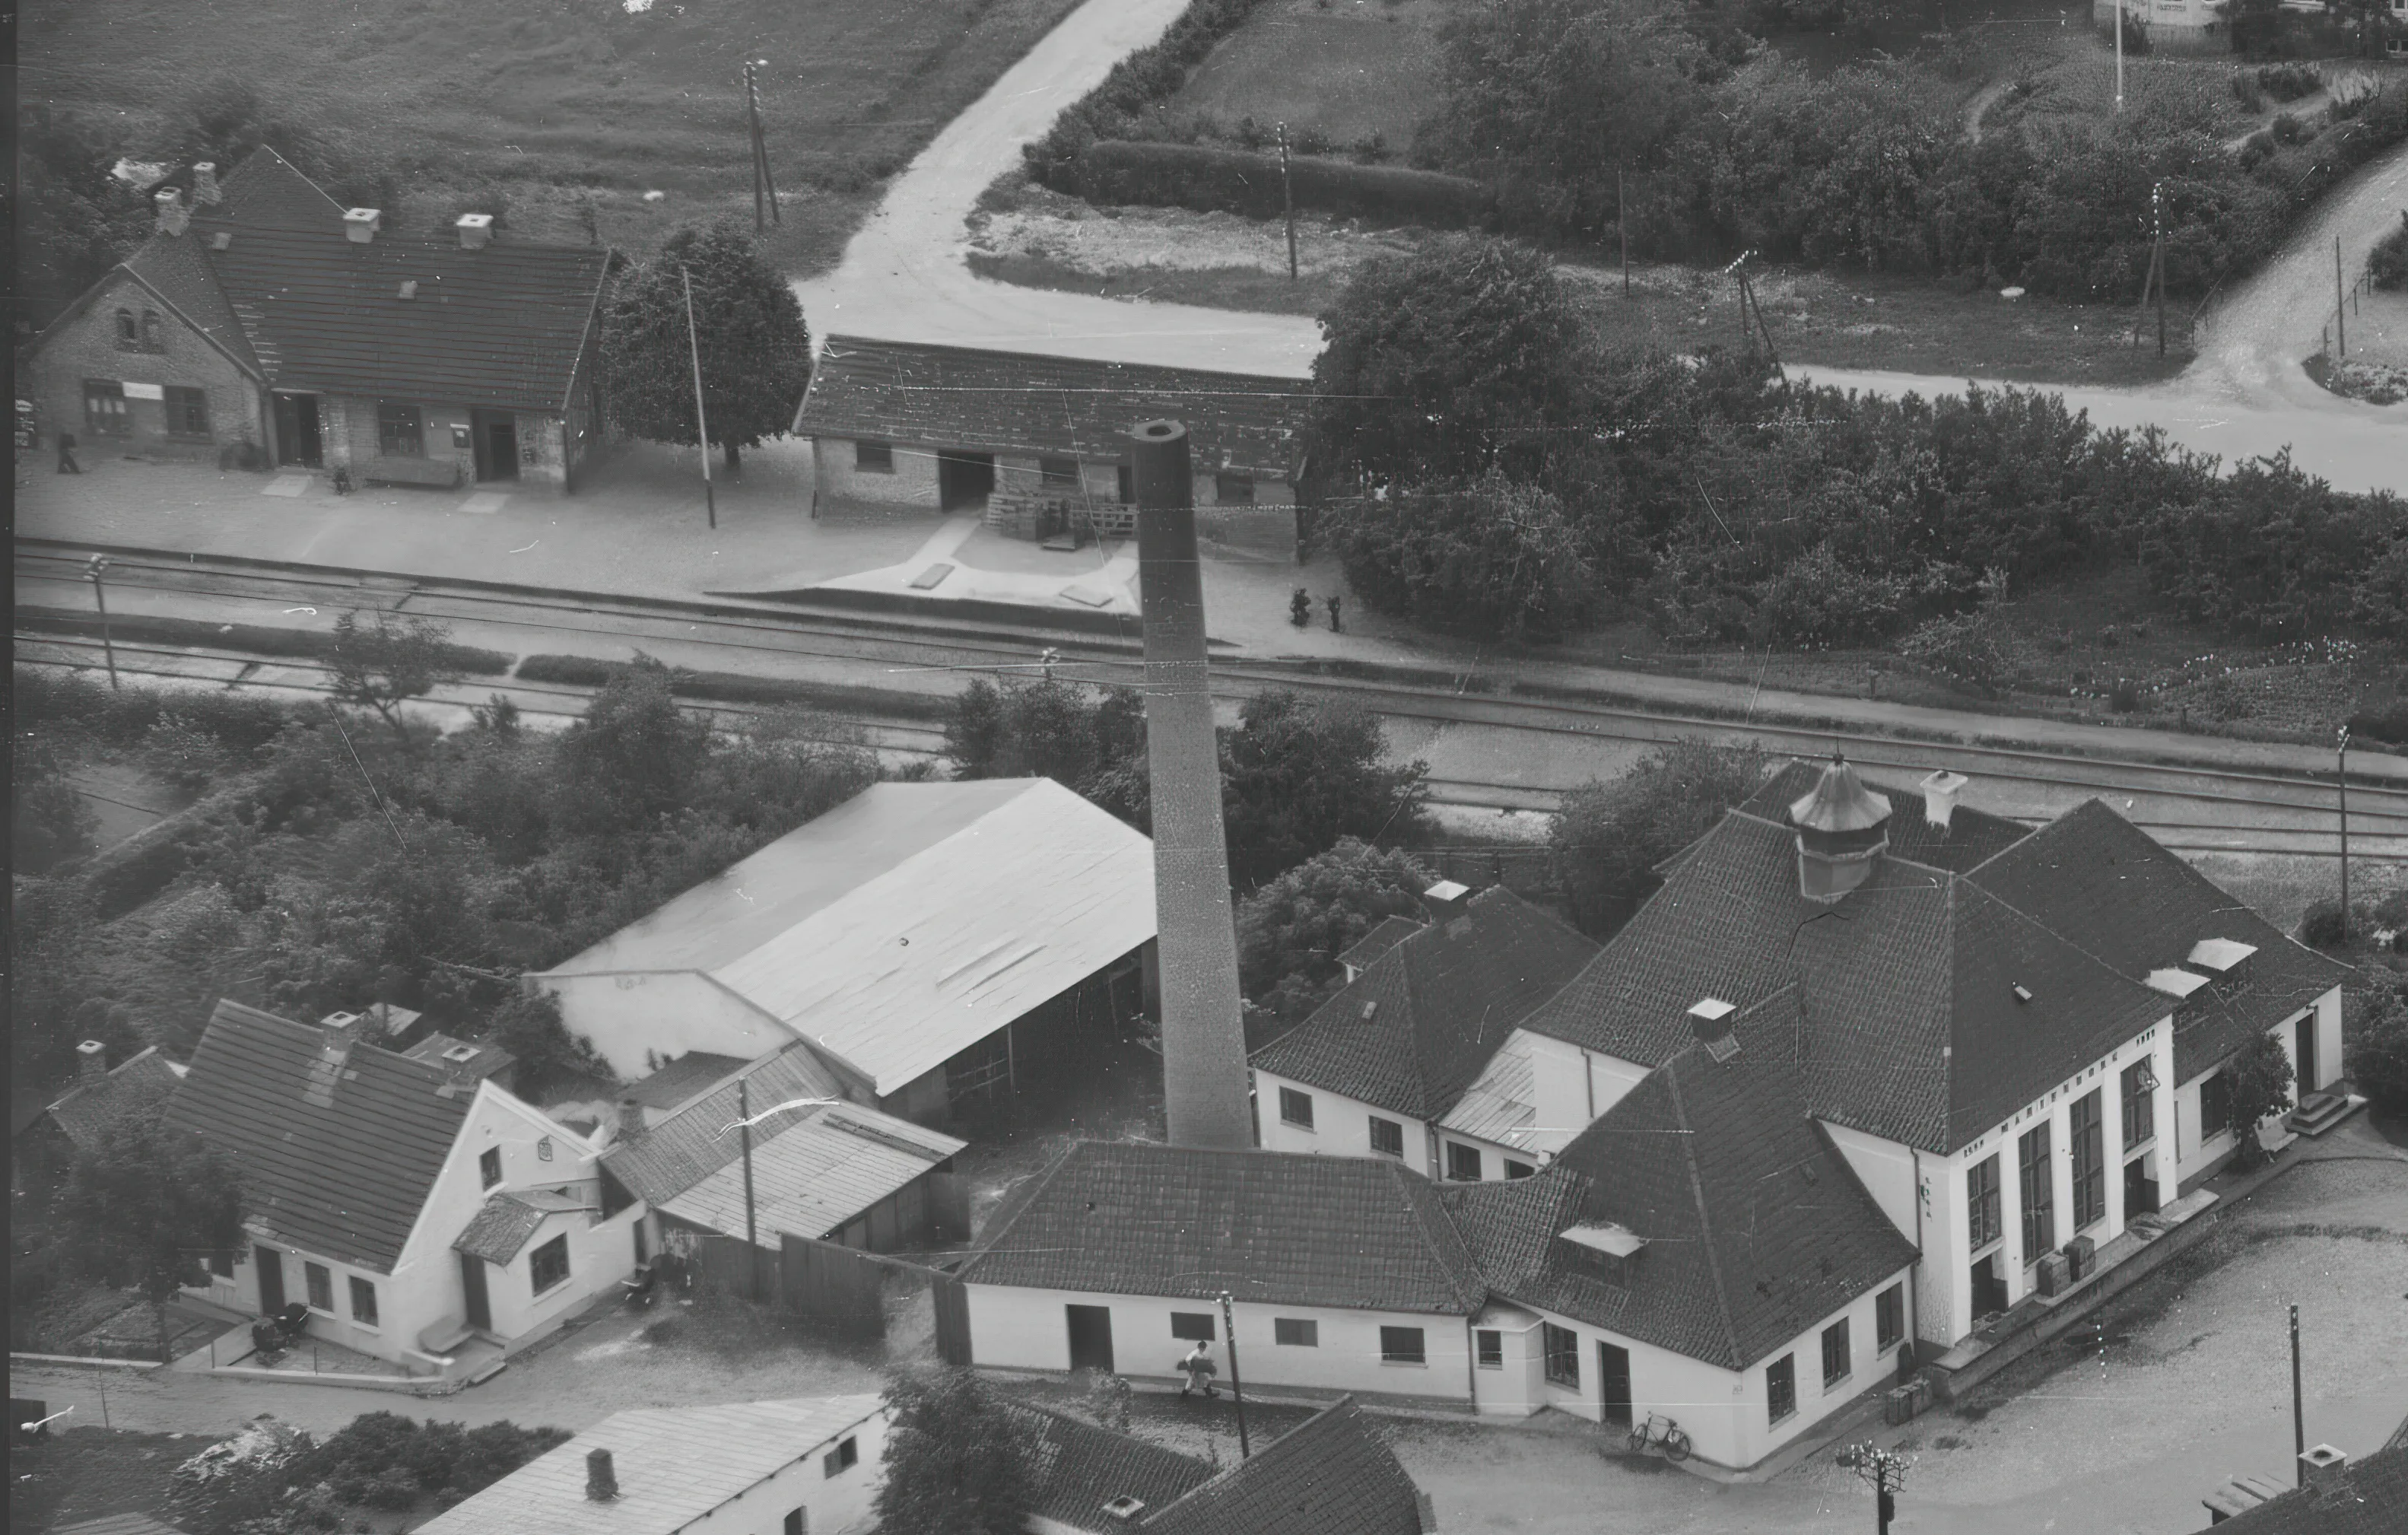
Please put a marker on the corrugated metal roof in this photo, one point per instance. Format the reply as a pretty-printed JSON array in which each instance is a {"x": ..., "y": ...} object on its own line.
[
  {"x": 815, "y": 1175},
  {"x": 694, "y": 1072},
  {"x": 1499, "y": 1108},
  {"x": 673, "y": 1465},
  {"x": 897, "y": 964},
  {"x": 118, "y": 1524},
  {"x": 695, "y": 1142}
]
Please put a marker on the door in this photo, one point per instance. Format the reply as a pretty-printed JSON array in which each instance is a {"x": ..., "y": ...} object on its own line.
[
  {"x": 1989, "y": 1288},
  {"x": 271, "y": 1279},
  {"x": 472, "y": 1284},
  {"x": 963, "y": 479},
  {"x": 1614, "y": 1380},
  {"x": 1090, "y": 1338},
  {"x": 2305, "y": 1032},
  {"x": 498, "y": 444},
  {"x": 296, "y": 431},
  {"x": 2140, "y": 1189}
]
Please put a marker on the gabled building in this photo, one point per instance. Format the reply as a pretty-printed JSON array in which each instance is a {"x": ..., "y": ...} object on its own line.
[
  {"x": 263, "y": 322},
  {"x": 1331, "y": 1475},
  {"x": 424, "y": 1215},
  {"x": 931, "y": 944},
  {"x": 1421, "y": 1056},
  {"x": 76, "y": 1122}
]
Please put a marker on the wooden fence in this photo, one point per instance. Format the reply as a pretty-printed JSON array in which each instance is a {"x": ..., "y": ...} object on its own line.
[{"x": 841, "y": 1289}]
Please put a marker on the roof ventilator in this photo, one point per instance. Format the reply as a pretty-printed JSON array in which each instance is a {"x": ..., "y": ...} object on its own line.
[{"x": 1709, "y": 1020}]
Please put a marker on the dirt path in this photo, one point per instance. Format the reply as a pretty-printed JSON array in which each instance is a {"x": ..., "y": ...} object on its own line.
[{"x": 1978, "y": 108}]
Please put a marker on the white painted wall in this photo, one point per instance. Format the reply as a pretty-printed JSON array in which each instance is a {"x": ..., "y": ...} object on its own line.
[
  {"x": 668, "y": 1012},
  {"x": 1016, "y": 1328},
  {"x": 838, "y": 1504},
  {"x": 2195, "y": 1157},
  {"x": 1341, "y": 1127},
  {"x": 913, "y": 484},
  {"x": 1886, "y": 1168}
]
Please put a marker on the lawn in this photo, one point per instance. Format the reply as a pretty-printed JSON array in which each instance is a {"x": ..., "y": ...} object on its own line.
[
  {"x": 555, "y": 106},
  {"x": 1349, "y": 68}
]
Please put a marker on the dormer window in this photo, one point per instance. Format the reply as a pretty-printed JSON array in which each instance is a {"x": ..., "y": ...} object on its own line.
[{"x": 1602, "y": 1251}]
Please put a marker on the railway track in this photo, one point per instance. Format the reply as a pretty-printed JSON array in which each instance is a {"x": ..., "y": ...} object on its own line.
[{"x": 919, "y": 661}]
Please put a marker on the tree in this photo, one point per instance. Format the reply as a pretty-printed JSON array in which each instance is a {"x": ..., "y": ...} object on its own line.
[
  {"x": 1291, "y": 931},
  {"x": 227, "y": 120},
  {"x": 385, "y": 663},
  {"x": 633, "y": 754},
  {"x": 150, "y": 1205},
  {"x": 528, "y": 1024},
  {"x": 1608, "y": 837},
  {"x": 1042, "y": 729},
  {"x": 1297, "y": 776},
  {"x": 756, "y": 349},
  {"x": 2259, "y": 1077},
  {"x": 954, "y": 1460},
  {"x": 48, "y": 821},
  {"x": 2377, "y": 1047},
  {"x": 1490, "y": 558},
  {"x": 1441, "y": 363},
  {"x": 77, "y": 218}
]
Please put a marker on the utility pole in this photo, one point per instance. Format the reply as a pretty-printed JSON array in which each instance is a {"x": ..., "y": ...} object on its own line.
[
  {"x": 93, "y": 572},
  {"x": 2119, "y": 58},
  {"x": 2157, "y": 255},
  {"x": 1287, "y": 201},
  {"x": 2341, "y": 325},
  {"x": 763, "y": 183},
  {"x": 744, "y": 1128},
  {"x": 1885, "y": 1471},
  {"x": 2299, "y": 1414},
  {"x": 1621, "y": 224},
  {"x": 2340, "y": 781},
  {"x": 1236, "y": 1390},
  {"x": 701, "y": 428}
]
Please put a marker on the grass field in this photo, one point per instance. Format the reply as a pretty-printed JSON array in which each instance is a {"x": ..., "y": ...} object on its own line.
[
  {"x": 552, "y": 105},
  {"x": 1348, "y": 68}
]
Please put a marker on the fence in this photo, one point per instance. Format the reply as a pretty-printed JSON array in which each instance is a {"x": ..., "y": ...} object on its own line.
[
  {"x": 843, "y": 1289},
  {"x": 2345, "y": 303}
]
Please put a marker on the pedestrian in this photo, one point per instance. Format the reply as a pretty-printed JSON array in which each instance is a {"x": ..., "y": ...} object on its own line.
[
  {"x": 1200, "y": 1370},
  {"x": 67, "y": 464},
  {"x": 1335, "y": 626},
  {"x": 1300, "y": 608}
]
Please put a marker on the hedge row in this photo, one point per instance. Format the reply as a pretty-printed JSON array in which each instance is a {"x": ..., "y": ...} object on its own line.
[
  {"x": 1211, "y": 178},
  {"x": 1136, "y": 85},
  {"x": 729, "y": 687},
  {"x": 256, "y": 638}
]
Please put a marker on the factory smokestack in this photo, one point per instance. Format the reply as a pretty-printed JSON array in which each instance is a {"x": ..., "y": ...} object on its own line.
[{"x": 1203, "y": 1029}]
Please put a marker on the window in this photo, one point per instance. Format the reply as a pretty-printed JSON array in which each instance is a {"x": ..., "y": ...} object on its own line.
[
  {"x": 188, "y": 411},
  {"x": 543, "y": 1148},
  {"x": 1195, "y": 1327},
  {"x": 103, "y": 408},
  {"x": 1228, "y": 489},
  {"x": 1296, "y": 1332},
  {"x": 1127, "y": 486},
  {"x": 2089, "y": 1161},
  {"x": 1781, "y": 1389},
  {"x": 799, "y": 1522},
  {"x": 1981, "y": 1218},
  {"x": 129, "y": 335},
  {"x": 2139, "y": 1105},
  {"x": 400, "y": 433},
  {"x": 489, "y": 1166},
  {"x": 364, "y": 1310},
  {"x": 2037, "y": 1184},
  {"x": 1491, "y": 1345},
  {"x": 1462, "y": 1162},
  {"x": 2214, "y": 1106},
  {"x": 1295, "y": 1107},
  {"x": 221, "y": 1264},
  {"x": 1403, "y": 1346},
  {"x": 549, "y": 1265},
  {"x": 1562, "y": 1345},
  {"x": 846, "y": 1456},
  {"x": 873, "y": 457},
  {"x": 322, "y": 1287},
  {"x": 153, "y": 340},
  {"x": 1889, "y": 1318},
  {"x": 1387, "y": 1137},
  {"x": 1058, "y": 472},
  {"x": 1517, "y": 1170},
  {"x": 1836, "y": 1365}
]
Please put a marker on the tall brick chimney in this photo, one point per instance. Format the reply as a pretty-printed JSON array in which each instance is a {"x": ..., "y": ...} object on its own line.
[
  {"x": 91, "y": 1062},
  {"x": 205, "y": 183},
  {"x": 362, "y": 223},
  {"x": 631, "y": 1119},
  {"x": 173, "y": 214},
  {"x": 601, "y": 1481},
  {"x": 1203, "y": 1030}
]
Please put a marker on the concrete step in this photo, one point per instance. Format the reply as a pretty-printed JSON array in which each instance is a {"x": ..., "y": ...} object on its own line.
[{"x": 2320, "y": 1111}]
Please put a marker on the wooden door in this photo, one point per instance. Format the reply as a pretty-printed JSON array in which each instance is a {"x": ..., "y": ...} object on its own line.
[
  {"x": 472, "y": 1285},
  {"x": 1614, "y": 1382},
  {"x": 271, "y": 1278},
  {"x": 1090, "y": 1337},
  {"x": 2305, "y": 1032}
]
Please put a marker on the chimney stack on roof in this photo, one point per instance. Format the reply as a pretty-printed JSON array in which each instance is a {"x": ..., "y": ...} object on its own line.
[
  {"x": 1710, "y": 1021},
  {"x": 173, "y": 214},
  {"x": 1446, "y": 901},
  {"x": 1842, "y": 828},
  {"x": 476, "y": 230},
  {"x": 1940, "y": 793},
  {"x": 1125, "y": 1508},
  {"x": 2322, "y": 1466},
  {"x": 601, "y": 1481},
  {"x": 205, "y": 183},
  {"x": 631, "y": 1119},
  {"x": 362, "y": 223},
  {"x": 91, "y": 1061}
]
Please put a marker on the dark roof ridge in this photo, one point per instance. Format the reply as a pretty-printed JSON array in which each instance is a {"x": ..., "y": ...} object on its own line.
[
  {"x": 1697, "y": 1194},
  {"x": 1404, "y": 1180}
]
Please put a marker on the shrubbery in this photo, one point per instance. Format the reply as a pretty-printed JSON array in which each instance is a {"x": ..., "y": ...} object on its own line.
[
  {"x": 2388, "y": 263},
  {"x": 1212, "y": 178}
]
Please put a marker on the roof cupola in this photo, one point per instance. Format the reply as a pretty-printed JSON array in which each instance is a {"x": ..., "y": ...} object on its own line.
[{"x": 1842, "y": 828}]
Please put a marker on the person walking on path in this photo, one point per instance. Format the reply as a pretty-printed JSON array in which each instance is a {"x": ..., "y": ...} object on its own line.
[
  {"x": 1200, "y": 1370},
  {"x": 67, "y": 464},
  {"x": 1335, "y": 626},
  {"x": 1300, "y": 608}
]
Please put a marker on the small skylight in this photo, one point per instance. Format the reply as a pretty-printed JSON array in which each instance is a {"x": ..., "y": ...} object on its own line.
[
  {"x": 409, "y": 288},
  {"x": 1371, "y": 1009},
  {"x": 221, "y": 240},
  {"x": 461, "y": 1052},
  {"x": 2023, "y": 994},
  {"x": 2174, "y": 983},
  {"x": 2219, "y": 954},
  {"x": 1605, "y": 1237}
]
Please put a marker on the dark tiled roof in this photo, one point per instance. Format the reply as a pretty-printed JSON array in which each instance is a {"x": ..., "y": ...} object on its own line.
[
  {"x": 1076, "y": 1467},
  {"x": 1129, "y": 1218},
  {"x": 2101, "y": 880},
  {"x": 1390, "y": 932},
  {"x": 683, "y": 1078},
  {"x": 2370, "y": 1499},
  {"x": 1022, "y": 403},
  {"x": 1446, "y": 996},
  {"x": 499, "y": 1231},
  {"x": 177, "y": 270},
  {"x": 337, "y": 1152},
  {"x": 1756, "y": 1227},
  {"x": 118, "y": 1524},
  {"x": 140, "y": 1086},
  {"x": 1330, "y": 1475},
  {"x": 687, "y": 1147},
  {"x": 1972, "y": 835}
]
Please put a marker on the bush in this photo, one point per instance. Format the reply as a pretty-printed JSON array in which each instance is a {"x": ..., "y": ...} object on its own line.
[
  {"x": 2248, "y": 92},
  {"x": 1609, "y": 837},
  {"x": 2289, "y": 81},
  {"x": 2375, "y": 1052},
  {"x": 2323, "y": 927},
  {"x": 1123, "y": 105},
  {"x": 1213, "y": 179},
  {"x": 1291, "y": 931},
  {"x": 1967, "y": 648},
  {"x": 1490, "y": 558},
  {"x": 2388, "y": 263}
]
